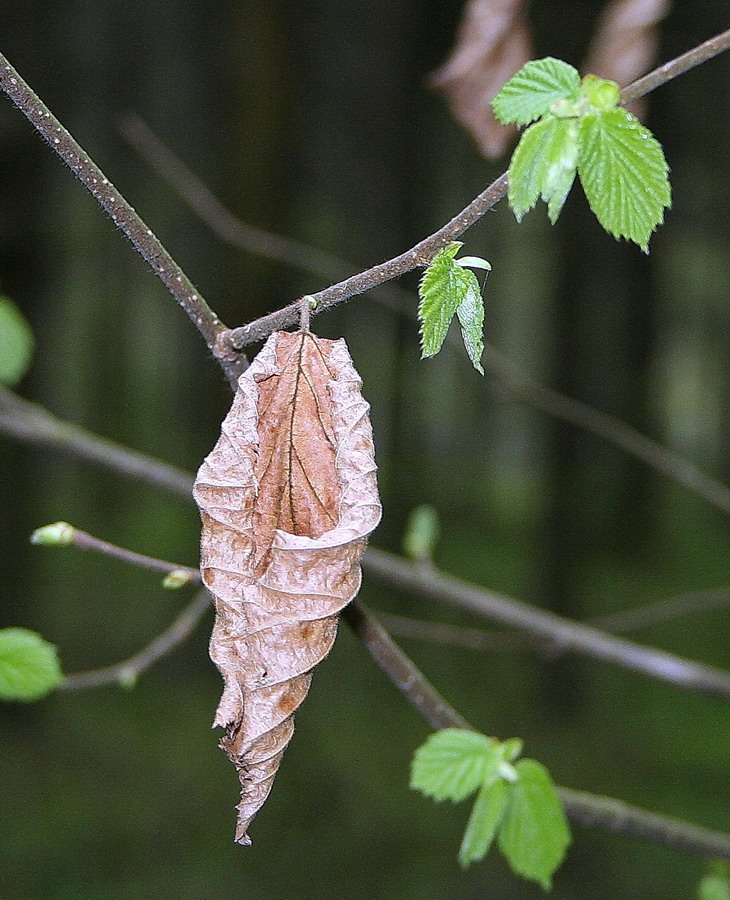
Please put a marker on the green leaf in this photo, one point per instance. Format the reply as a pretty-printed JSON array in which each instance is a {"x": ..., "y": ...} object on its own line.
[
  {"x": 543, "y": 165},
  {"x": 471, "y": 318},
  {"x": 16, "y": 343},
  {"x": 441, "y": 290},
  {"x": 453, "y": 763},
  {"x": 624, "y": 175},
  {"x": 534, "y": 834},
  {"x": 29, "y": 667},
  {"x": 531, "y": 92},
  {"x": 448, "y": 289},
  {"x": 421, "y": 533},
  {"x": 716, "y": 884},
  {"x": 485, "y": 818}
]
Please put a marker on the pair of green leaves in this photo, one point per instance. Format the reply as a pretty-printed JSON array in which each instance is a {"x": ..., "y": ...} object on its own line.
[
  {"x": 578, "y": 127},
  {"x": 516, "y": 802},
  {"x": 449, "y": 289}
]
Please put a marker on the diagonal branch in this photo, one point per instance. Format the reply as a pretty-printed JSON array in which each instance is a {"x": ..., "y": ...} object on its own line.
[
  {"x": 127, "y": 671},
  {"x": 564, "y": 634},
  {"x": 122, "y": 214},
  {"x": 424, "y": 251}
]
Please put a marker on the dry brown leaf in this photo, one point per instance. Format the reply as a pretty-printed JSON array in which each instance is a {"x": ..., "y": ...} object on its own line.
[
  {"x": 492, "y": 44},
  {"x": 625, "y": 42},
  {"x": 288, "y": 497}
]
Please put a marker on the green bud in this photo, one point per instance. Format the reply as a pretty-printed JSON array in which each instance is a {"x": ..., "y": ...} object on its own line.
[
  {"x": 177, "y": 578},
  {"x": 511, "y": 749},
  {"x": 59, "y": 534},
  {"x": 421, "y": 533},
  {"x": 600, "y": 93}
]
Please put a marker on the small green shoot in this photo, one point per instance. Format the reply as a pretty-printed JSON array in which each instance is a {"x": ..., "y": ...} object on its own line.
[
  {"x": 177, "y": 578},
  {"x": 421, "y": 533},
  {"x": 516, "y": 802},
  {"x": 579, "y": 128},
  {"x": 29, "y": 667},
  {"x": 449, "y": 289},
  {"x": 59, "y": 534},
  {"x": 16, "y": 343}
]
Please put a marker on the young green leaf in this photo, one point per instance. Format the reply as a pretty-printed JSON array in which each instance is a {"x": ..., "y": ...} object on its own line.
[
  {"x": 421, "y": 533},
  {"x": 29, "y": 667},
  {"x": 531, "y": 92},
  {"x": 485, "y": 818},
  {"x": 534, "y": 834},
  {"x": 470, "y": 313},
  {"x": 16, "y": 343},
  {"x": 543, "y": 165},
  {"x": 624, "y": 174},
  {"x": 448, "y": 289},
  {"x": 453, "y": 763},
  {"x": 441, "y": 290}
]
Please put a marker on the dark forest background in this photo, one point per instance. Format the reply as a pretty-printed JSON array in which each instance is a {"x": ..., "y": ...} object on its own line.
[{"x": 314, "y": 120}]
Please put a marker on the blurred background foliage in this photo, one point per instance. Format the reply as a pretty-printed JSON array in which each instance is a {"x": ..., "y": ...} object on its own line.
[{"x": 314, "y": 120}]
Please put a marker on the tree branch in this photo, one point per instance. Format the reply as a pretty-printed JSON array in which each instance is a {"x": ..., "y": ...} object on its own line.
[
  {"x": 423, "y": 252},
  {"x": 122, "y": 214},
  {"x": 564, "y": 634},
  {"x": 127, "y": 671},
  {"x": 34, "y": 424}
]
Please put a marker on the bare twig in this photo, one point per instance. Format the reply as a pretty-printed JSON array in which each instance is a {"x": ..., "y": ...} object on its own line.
[
  {"x": 34, "y": 424},
  {"x": 453, "y": 635},
  {"x": 564, "y": 634},
  {"x": 63, "y": 534},
  {"x": 122, "y": 214},
  {"x": 663, "y": 610},
  {"x": 126, "y": 672},
  {"x": 664, "y": 73}
]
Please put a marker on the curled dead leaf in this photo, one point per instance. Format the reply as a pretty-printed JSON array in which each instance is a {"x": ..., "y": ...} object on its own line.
[
  {"x": 492, "y": 44},
  {"x": 288, "y": 497}
]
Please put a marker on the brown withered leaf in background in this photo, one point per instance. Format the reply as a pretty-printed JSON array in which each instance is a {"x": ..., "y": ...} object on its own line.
[
  {"x": 287, "y": 497},
  {"x": 493, "y": 42},
  {"x": 625, "y": 41}
]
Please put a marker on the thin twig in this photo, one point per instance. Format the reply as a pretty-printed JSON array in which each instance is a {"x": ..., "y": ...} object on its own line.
[
  {"x": 82, "y": 540},
  {"x": 122, "y": 214},
  {"x": 34, "y": 424},
  {"x": 424, "y": 251},
  {"x": 589, "y": 810},
  {"x": 564, "y": 634},
  {"x": 127, "y": 671},
  {"x": 669, "y": 70},
  {"x": 662, "y": 611}
]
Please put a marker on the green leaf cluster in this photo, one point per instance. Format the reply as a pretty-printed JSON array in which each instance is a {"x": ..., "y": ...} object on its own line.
[
  {"x": 16, "y": 343},
  {"x": 449, "y": 289},
  {"x": 516, "y": 802},
  {"x": 29, "y": 666},
  {"x": 579, "y": 128}
]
